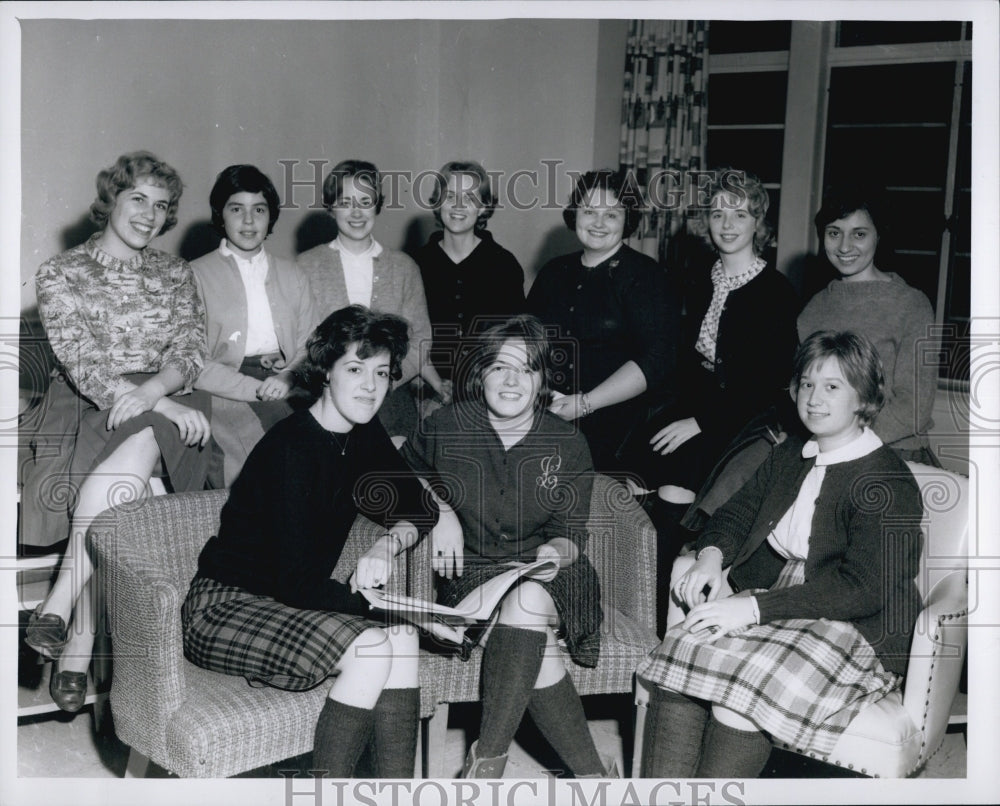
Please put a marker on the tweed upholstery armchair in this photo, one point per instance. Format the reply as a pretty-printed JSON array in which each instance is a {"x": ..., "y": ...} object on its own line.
[
  {"x": 622, "y": 548},
  {"x": 191, "y": 721},
  {"x": 895, "y": 736}
]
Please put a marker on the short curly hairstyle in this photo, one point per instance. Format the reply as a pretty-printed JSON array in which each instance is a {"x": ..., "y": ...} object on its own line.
[
  {"x": 859, "y": 361},
  {"x": 364, "y": 173},
  {"x": 622, "y": 184},
  {"x": 742, "y": 185},
  {"x": 242, "y": 179},
  {"x": 372, "y": 331},
  {"x": 526, "y": 327},
  {"x": 483, "y": 189},
  {"x": 125, "y": 174}
]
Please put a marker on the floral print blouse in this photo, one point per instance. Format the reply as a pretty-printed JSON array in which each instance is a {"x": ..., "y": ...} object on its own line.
[{"x": 106, "y": 317}]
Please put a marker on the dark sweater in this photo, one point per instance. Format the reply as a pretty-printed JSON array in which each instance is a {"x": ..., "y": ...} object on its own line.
[
  {"x": 755, "y": 346},
  {"x": 509, "y": 502},
  {"x": 864, "y": 549},
  {"x": 289, "y": 512}
]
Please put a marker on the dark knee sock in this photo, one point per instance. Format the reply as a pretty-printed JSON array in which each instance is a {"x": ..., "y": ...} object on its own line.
[
  {"x": 670, "y": 538},
  {"x": 732, "y": 753},
  {"x": 511, "y": 662},
  {"x": 397, "y": 718},
  {"x": 675, "y": 728},
  {"x": 558, "y": 713},
  {"x": 342, "y": 732}
]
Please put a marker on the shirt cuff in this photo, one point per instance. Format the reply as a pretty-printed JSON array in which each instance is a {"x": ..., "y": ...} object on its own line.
[{"x": 756, "y": 610}]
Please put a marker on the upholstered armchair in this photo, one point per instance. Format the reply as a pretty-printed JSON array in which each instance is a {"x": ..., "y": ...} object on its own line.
[{"x": 895, "y": 737}]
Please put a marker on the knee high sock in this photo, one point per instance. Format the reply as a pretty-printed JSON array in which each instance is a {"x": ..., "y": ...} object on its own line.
[
  {"x": 342, "y": 731},
  {"x": 558, "y": 713},
  {"x": 675, "y": 728},
  {"x": 397, "y": 718},
  {"x": 732, "y": 753},
  {"x": 511, "y": 662}
]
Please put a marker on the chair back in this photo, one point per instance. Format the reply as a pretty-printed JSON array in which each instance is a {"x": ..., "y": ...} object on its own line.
[{"x": 945, "y": 525}]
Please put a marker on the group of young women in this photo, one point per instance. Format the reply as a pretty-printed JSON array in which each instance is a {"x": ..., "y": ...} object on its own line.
[{"x": 287, "y": 383}]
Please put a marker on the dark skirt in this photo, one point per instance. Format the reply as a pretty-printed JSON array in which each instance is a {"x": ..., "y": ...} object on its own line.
[
  {"x": 575, "y": 591},
  {"x": 230, "y": 630},
  {"x": 65, "y": 438}
]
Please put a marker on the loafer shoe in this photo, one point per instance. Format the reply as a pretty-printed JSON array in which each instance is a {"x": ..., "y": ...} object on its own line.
[
  {"x": 46, "y": 633},
  {"x": 68, "y": 690}
]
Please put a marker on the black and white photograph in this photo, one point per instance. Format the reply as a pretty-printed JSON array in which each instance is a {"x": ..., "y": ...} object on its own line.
[{"x": 500, "y": 402}]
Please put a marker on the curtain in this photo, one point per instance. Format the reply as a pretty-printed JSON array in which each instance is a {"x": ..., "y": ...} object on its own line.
[{"x": 664, "y": 122}]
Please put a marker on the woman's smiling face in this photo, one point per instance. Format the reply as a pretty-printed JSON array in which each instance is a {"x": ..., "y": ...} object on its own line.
[
  {"x": 850, "y": 244},
  {"x": 510, "y": 386}
]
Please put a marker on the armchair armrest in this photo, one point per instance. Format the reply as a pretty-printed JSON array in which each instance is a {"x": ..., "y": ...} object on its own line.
[{"x": 936, "y": 658}]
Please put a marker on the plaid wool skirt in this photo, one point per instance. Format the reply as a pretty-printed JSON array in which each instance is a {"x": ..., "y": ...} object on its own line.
[
  {"x": 575, "y": 591},
  {"x": 230, "y": 630},
  {"x": 801, "y": 681}
]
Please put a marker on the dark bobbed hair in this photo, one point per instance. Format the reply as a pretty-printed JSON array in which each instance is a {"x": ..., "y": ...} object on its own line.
[
  {"x": 859, "y": 361},
  {"x": 840, "y": 201},
  {"x": 622, "y": 184},
  {"x": 374, "y": 332},
  {"x": 364, "y": 173},
  {"x": 743, "y": 185},
  {"x": 484, "y": 189},
  {"x": 125, "y": 174},
  {"x": 526, "y": 327},
  {"x": 242, "y": 179}
]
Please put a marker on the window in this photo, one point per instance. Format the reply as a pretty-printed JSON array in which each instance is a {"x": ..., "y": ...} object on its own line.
[{"x": 896, "y": 107}]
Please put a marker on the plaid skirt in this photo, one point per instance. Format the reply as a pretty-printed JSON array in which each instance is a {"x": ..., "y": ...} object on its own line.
[
  {"x": 575, "y": 591},
  {"x": 230, "y": 630},
  {"x": 801, "y": 681}
]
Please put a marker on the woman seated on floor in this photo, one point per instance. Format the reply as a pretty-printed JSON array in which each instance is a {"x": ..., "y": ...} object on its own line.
[
  {"x": 262, "y": 603},
  {"x": 520, "y": 480},
  {"x": 813, "y": 617},
  {"x": 259, "y": 310},
  {"x": 127, "y": 329}
]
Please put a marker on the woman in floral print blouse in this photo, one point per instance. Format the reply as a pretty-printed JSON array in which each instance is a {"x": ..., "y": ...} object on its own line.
[{"x": 127, "y": 329}]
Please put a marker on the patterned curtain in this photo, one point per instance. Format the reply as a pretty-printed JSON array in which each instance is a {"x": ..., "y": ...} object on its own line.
[{"x": 664, "y": 122}]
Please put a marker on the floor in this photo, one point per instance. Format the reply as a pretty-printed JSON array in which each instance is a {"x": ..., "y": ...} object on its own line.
[{"x": 65, "y": 745}]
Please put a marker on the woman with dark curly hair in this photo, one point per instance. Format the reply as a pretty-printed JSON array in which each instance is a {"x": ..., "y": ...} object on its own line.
[
  {"x": 471, "y": 281},
  {"x": 617, "y": 319},
  {"x": 519, "y": 480},
  {"x": 127, "y": 328},
  {"x": 259, "y": 309},
  {"x": 262, "y": 603}
]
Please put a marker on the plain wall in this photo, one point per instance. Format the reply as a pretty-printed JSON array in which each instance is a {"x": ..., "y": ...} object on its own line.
[{"x": 408, "y": 95}]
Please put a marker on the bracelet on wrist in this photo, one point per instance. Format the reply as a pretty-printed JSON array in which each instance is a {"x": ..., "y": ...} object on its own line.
[
  {"x": 397, "y": 540},
  {"x": 585, "y": 402}
]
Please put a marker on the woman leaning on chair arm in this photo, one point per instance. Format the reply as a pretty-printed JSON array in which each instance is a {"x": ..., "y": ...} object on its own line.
[
  {"x": 520, "y": 481},
  {"x": 616, "y": 317},
  {"x": 814, "y": 616},
  {"x": 262, "y": 603},
  {"x": 126, "y": 326}
]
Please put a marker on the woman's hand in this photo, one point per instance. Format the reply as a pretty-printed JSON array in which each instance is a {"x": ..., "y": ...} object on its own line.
[
  {"x": 669, "y": 439},
  {"x": 720, "y": 617},
  {"x": 568, "y": 407},
  {"x": 446, "y": 392},
  {"x": 191, "y": 423},
  {"x": 275, "y": 387},
  {"x": 375, "y": 566},
  {"x": 447, "y": 544},
  {"x": 133, "y": 403},
  {"x": 705, "y": 573},
  {"x": 547, "y": 551}
]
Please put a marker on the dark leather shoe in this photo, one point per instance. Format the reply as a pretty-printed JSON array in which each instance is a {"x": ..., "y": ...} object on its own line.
[
  {"x": 46, "y": 633},
  {"x": 68, "y": 690}
]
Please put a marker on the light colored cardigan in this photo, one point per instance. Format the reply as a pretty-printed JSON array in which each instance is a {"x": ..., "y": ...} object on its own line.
[
  {"x": 396, "y": 288},
  {"x": 293, "y": 310}
]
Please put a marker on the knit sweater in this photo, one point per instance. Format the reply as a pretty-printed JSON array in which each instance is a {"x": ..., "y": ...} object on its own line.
[
  {"x": 898, "y": 319},
  {"x": 864, "y": 545},
  {"x": 221, "y": 288},
  {"x": 290, "y": 511},
  {"x": 396, "y": 288}
]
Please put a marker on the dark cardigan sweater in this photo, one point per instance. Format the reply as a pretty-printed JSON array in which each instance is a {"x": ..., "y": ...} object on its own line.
[{"x": 864, "y": 550}]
